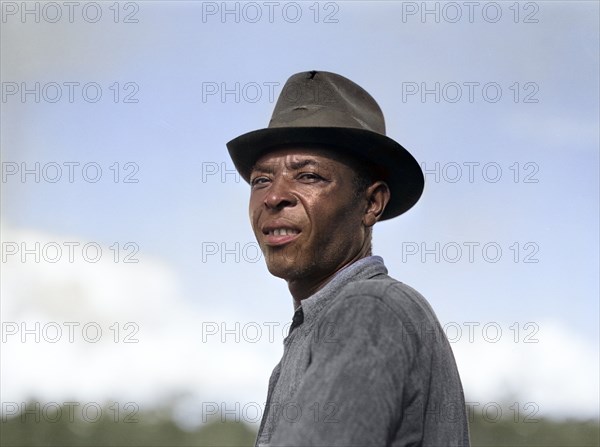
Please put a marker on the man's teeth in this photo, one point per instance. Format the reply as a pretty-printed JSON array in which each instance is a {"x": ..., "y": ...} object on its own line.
[{"x": 283, "y": 232}]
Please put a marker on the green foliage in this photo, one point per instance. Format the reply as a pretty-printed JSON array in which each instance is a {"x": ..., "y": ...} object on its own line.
[
  {"x": 147, "y": 429},
  {"x": 539, "y": 433}
]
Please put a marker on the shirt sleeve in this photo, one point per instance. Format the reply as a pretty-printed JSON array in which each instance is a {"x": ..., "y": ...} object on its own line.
[{"x": 352, "y": 391}]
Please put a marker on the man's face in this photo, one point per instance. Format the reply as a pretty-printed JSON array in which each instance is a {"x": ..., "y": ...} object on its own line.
[{"x": 305, "y": 213}]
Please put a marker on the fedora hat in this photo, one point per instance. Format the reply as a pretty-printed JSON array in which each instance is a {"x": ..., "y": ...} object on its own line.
[{"x": 319, "y": 108}]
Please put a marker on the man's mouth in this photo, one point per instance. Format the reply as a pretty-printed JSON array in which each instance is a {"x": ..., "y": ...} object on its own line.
[
  {"x": 282, "y": 232},
  {"x": 276, "y": 235}
]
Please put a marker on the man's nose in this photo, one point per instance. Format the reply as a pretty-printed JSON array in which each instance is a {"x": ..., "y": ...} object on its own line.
[{"x": 279, "y": 195}]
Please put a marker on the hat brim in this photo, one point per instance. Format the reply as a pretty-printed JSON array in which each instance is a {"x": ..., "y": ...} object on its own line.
[{"x": 389, "y": 160}]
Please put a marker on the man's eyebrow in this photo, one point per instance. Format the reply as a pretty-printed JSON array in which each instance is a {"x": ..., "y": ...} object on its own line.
[
  {"x": 265, "y": 168},
  {"x": 269, "y": 168},
  {"x": 295, "y": 165}
]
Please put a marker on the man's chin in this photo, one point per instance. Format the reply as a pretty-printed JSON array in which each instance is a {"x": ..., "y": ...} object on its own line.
[
  {"x": 286, "y": 269},
  {"x": 283, "y": 270},
  {"x": 287, "y": 262},
  {"x": 280, "y": 258}
]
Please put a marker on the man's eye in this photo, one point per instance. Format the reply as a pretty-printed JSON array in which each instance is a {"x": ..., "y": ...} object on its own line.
[
  {"x": 258, "y": 181},
  {"x": 310, "y": 176}
]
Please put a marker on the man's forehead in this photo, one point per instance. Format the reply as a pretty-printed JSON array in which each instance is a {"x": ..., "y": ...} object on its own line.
[{"x": 299, "y": 157}]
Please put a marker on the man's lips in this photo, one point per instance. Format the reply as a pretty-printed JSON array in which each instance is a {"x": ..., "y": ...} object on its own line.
[
  {"x": 279, "y": 233},
  {"x": 274, "y": 241}
]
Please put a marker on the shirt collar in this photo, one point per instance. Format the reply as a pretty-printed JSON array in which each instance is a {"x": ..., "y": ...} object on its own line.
[{"x": 364, "y": 268}]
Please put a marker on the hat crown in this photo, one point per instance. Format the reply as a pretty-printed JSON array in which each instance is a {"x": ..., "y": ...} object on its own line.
[{"x": 324, "y": 99}]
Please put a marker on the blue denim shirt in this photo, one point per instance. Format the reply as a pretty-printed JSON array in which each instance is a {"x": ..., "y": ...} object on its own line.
[{"x": 366, "y": 363}]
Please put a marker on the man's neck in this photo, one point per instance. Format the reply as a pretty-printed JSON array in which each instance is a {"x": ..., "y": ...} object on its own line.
[{"x": 303, "y": 288}]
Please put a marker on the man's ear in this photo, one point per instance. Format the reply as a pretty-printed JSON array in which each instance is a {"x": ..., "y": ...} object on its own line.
[{"x": 378, "y": 196}]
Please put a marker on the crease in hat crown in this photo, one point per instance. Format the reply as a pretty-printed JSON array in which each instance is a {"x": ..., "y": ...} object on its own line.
[
  {"x": 321, "y": 99},
  {"x": 320, "y": 108}
]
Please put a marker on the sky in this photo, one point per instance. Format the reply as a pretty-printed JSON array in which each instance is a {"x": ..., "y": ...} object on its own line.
[{"x": 129, "y": 268}]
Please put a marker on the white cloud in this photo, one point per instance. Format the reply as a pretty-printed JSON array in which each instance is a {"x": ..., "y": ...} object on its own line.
[
  {"x": 175, "y": 351},
  {"x": 558, "y": 372}
]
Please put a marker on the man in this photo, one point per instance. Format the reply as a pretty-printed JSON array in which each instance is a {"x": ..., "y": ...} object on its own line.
[{"x": 366, "y": 361}]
